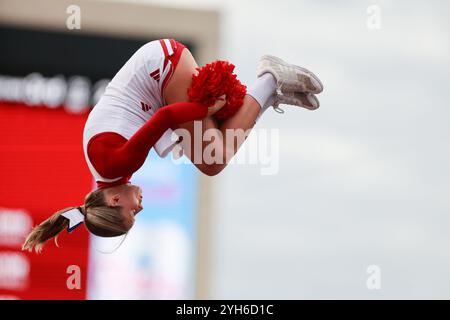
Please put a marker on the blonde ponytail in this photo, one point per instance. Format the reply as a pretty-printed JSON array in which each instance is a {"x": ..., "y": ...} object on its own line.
[
  {"x": 100, "y": 219},
  {"x": 48, "y": 229}
]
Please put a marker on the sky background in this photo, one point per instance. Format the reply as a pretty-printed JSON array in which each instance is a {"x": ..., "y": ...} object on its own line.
[{"x": 364, "y": 180}]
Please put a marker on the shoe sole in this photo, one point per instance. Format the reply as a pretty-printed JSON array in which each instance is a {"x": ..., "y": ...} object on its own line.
[
  {"x": 314, "y": 101},
  {"x": 298, "y": 102},
  {"x": 302, "y": 70}
]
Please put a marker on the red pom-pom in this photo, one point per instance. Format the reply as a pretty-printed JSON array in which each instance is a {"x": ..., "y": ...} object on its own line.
[{"x": 212, "y": 81}]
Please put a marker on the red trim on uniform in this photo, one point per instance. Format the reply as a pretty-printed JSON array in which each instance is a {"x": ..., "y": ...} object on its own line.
[
  {"x": 103, "y": 184},
  {"x": 112, "y": 155},
  {"x": 155, "y": 73},
  {"x": 154, "y": 128},
  {"x": 90, "y": 141},
  {"x": 173, "y": 44},
  {"x": 174, "y": 59}
]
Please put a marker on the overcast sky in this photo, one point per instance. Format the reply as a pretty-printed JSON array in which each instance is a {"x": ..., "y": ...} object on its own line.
[{"x": 362, "y": 181}]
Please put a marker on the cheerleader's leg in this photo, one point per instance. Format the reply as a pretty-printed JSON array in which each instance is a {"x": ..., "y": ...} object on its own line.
[{"x": 244, "y": 120}]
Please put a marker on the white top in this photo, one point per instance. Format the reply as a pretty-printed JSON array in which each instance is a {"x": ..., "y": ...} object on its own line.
[{"x": 131, "y": 98}]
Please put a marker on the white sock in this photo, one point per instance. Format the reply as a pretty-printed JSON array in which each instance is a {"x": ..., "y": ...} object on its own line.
[
  {"x": 264, "y": 87},
  {"x": 269, "y": 103}
]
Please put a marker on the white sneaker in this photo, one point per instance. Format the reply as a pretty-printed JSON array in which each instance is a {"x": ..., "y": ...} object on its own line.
[
  {"x": 305, "y": 100},
  {"x": 289, "y": 77}
]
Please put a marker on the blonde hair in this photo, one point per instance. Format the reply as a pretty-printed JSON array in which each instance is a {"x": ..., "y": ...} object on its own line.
[{"x": 100, "y": 219}]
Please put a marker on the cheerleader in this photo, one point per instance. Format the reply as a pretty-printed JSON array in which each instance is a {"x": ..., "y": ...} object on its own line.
[{"x": 161, "y": 89}]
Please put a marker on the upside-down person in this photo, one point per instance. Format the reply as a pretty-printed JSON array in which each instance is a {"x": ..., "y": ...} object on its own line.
[{"x": 161, "y": 89}]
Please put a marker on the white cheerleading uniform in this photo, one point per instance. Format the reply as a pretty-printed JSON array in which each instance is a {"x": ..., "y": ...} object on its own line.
[{"x": 133, "y": 96}]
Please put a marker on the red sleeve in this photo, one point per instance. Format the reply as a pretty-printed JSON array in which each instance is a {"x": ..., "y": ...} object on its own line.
[{"x": 114, "y": 156}]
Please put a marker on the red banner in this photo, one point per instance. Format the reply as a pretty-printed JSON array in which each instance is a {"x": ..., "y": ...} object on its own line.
[{"x": 43, "y": 170}]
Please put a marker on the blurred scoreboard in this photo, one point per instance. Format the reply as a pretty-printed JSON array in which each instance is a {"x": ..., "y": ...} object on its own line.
[{"x": 48, "y": 82}]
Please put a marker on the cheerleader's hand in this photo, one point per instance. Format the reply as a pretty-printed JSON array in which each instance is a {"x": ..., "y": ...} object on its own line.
[{"x": 220, "y": 102}]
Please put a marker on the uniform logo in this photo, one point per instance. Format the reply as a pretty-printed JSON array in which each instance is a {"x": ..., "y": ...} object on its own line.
[
  {"x": 145, "y": 106},
  {"x": 155, "y": 75}
]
